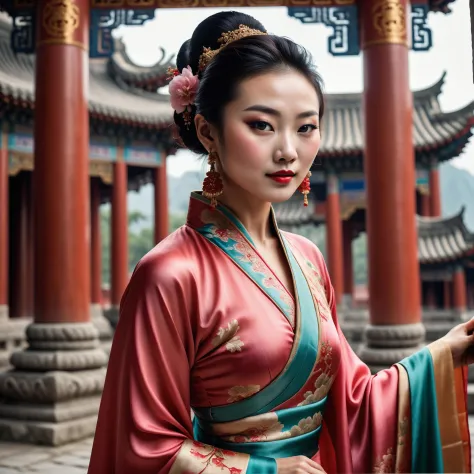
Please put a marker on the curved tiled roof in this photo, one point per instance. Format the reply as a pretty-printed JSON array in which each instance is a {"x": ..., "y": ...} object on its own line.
[
  {"x": 120, "y": 93},
  {"x": 442, "y": 239},
  {"x": 109, "y": 97},
  {"x": 342, "y": 125}
]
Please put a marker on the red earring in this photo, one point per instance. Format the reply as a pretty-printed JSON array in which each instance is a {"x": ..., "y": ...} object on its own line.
[
  {"x": 212, "y": 186},
  {"x": 305, "y": 188}
]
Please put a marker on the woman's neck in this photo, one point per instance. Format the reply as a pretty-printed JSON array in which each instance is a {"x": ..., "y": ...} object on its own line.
[{"x": 254, "y": 215}]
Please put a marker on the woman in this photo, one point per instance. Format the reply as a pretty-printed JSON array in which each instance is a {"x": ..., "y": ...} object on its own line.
[{"x": 236, "y": 321}]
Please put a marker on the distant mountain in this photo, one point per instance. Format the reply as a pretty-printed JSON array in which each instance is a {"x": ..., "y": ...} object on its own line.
[{"x": 457, "y": 189}]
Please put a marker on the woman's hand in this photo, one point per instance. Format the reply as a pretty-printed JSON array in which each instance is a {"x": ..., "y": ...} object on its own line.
[
  {"x": 298, "y": 465},
  {"x": 461, "y": 342}
]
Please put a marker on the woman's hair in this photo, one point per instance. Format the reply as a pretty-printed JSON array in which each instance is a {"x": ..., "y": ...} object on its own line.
[{"x": 242, "y": 59}]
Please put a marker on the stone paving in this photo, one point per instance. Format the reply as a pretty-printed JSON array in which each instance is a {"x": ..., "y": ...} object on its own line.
[{"x": 70, "y": 459}]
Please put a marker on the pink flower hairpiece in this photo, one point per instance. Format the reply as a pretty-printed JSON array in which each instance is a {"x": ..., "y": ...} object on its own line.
[{"x": 183, "y": 89}]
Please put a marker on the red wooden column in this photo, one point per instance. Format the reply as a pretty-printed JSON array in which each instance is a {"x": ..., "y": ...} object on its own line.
[
  {"x": 96, "y": 249},
  {"x": 4, "y": 207},
  {"x": 161, "y": 201},
  {"x": 447, "y": 294},
  {"x": 435, "y": 189},
  {"x": 459, "y": 290},
  {"x": 334, "y": 236},
  {"x": 119, "y": 236},
  {"x": 394, "y": 277},
  {"x": 20, "y": 274},
  {"x": 62, "y": 263},
  {"x": 62, "y": 338},
  {"x": 347, "y": 233},
  {"x": 425, "y": 210}
]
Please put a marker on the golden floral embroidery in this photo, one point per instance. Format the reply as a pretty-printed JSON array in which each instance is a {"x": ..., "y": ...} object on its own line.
[
  {"x": 318, "y": 289},
  {"x": 228, "y": 336},
  {"x": 325, "y": 377},
  {"x": 211, "y": 456},
  {"x": 269, "y": 428},
  {"x": 306, "y": 425},
  {"x": 239, "y": 392},
  {"x": 384, "y": 464}
]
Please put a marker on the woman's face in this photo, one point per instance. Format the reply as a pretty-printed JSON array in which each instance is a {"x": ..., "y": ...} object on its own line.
[{"x": 270, "y": 137}]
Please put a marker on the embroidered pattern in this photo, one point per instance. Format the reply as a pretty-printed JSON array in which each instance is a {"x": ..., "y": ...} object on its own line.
[
  {"x": 316, "y": 284},
  {"x": 325, "y": 377},
  {"x": 220, "y": 231},
  {"x": 239, "y": 392},
  {"x": 384, "y": 464},
  {"x": 213, "y": 456},
  {"x": 228, "y": 335},
  {"x": 306, "y": 425}
]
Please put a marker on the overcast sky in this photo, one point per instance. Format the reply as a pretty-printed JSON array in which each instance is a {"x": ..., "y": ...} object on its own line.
[{"x": 451, "y": 52}]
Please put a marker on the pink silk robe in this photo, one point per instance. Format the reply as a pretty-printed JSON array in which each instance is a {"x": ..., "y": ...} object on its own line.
[{"x": 205, "y": 325}]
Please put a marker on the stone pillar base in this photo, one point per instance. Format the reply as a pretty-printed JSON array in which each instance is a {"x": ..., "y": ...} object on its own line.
[
  {"x": 52, "y": 396},
  {"x": 353, "y": 326},
  {"x": 112, "y": 314},
  {"x": 388, "y": 344},
  {"x": 104, "y": 327},
  {"x": 12, "y": 336}
]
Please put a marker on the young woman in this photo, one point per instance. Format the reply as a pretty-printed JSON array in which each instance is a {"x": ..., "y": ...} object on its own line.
[{"x": 235, "y": 321}]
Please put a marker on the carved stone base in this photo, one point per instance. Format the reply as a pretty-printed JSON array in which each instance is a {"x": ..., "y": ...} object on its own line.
[
  {"x": 52, "y": 396},
  {"x": 112, "y": 314},
  {"x": 12, "y": 336},
  {"x": 50, "y": 434},
  {"x": 353, "y": 326},
  {"x": 104, "y": 327},
  {"x": 388, "y": 344}
]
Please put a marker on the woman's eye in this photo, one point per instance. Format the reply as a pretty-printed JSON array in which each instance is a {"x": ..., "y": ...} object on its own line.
[
  {"x": 261, "y": 125},
  {"x": 307, "y": 128}
]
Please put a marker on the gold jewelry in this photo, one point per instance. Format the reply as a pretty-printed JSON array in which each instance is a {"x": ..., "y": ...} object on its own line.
[{"x": 226, "y": 38}]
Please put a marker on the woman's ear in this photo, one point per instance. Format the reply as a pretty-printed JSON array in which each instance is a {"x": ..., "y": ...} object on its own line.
[{"x": 205, "y": 132}]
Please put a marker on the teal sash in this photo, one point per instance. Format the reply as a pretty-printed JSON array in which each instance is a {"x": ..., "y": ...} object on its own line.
[
  {"x": 306, "y": 444},
  {"x": 298, "y": 369}
]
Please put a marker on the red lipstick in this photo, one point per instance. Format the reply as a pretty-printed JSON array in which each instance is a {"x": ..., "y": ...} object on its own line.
[{"x": 282, "y": 176}]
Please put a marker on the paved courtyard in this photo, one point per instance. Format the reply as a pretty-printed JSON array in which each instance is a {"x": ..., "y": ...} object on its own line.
[{"x": 69, "y": 459}]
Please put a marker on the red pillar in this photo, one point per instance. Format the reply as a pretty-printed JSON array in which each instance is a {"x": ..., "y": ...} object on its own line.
[
  {"x": 459, "y": 289},
  {"x": 20, "y": 274},
  {"x": 161, "y": 201},
  {"x": 435, "y": 190},
  {"x": 96, "y": 244},
  {"x": 62, "y": 263},
  {"x": 425, "y": 210},
  {"x": 394, "y": 279},
  {"x": 347, "y": 257},
  {"x": 119, "y": 236},
  {"x": 4, "y": 207},
  {"x": 334, "y": 236},
  {"x": 447, "y": 294}
]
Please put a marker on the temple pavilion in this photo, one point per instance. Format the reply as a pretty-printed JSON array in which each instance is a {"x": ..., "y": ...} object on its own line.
[{"x": 81, "y": 124}]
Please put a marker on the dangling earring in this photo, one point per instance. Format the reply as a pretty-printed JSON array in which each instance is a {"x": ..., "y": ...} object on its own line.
[
  {"x": 305, "y": 188},
  {"x": 212, "y": 186}
]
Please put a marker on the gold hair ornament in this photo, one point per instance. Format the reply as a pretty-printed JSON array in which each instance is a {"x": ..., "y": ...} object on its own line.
[{"x": 226, "y": 38}]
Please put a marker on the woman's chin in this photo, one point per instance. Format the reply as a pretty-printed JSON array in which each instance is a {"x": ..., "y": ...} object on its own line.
[{"x": 281, "y": 195}]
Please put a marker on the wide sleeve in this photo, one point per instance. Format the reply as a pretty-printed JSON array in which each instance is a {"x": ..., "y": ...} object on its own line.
[
  {"x": 144, "y": 424},
  {"x": 410, "y": 417}
]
